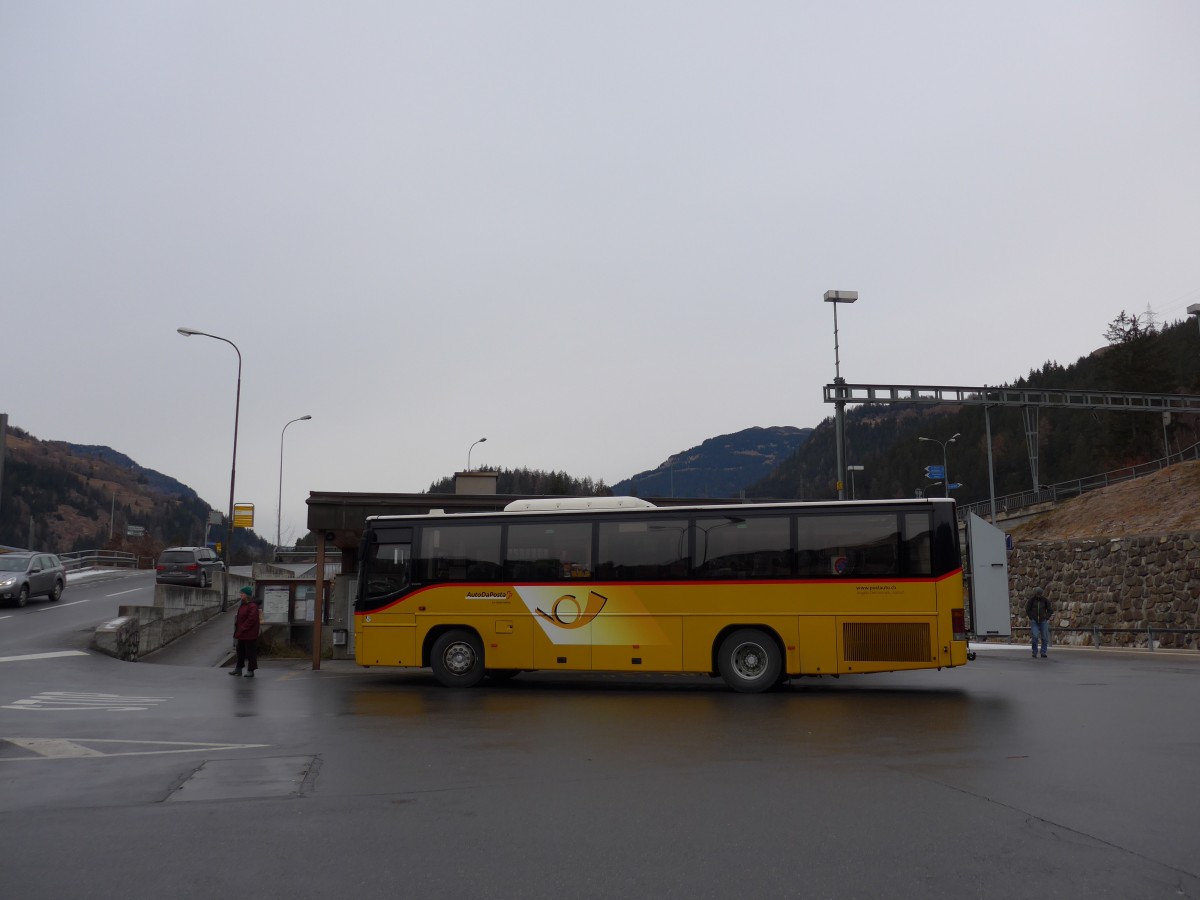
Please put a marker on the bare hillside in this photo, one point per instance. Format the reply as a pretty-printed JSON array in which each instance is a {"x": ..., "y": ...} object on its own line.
[{"x": 1165, "y": 502}]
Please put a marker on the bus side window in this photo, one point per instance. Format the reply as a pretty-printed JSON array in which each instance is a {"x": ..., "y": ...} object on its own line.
[
  {"x": 843, "y": 544},
  {"x": 918, "y": 540},
  {"x": 643, "y": 550},
  {"x": 548, "y": 551},
  {"x": 733, "y": 547},
  {"x": 453, "y": 551}
]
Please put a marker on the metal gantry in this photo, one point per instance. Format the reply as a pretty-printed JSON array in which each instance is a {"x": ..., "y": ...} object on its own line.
[
  {"x": 1029, "y": 400},
  {"x": 1007, "y": 396}
]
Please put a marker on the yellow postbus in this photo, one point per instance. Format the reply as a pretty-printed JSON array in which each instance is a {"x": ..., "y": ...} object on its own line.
[{"x": 756, "y": 593}]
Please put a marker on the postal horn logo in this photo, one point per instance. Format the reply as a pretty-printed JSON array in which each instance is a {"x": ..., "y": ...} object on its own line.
[{"x": 567, "y": 613}]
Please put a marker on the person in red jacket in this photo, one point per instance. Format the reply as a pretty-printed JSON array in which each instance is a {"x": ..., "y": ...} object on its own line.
[{"x": 245, "y": 631}]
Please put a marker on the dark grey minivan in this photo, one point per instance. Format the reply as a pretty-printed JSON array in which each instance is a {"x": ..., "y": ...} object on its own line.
[{"x": 187, "y": 565}]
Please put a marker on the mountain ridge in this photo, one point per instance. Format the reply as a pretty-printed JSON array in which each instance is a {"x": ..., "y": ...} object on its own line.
[
  {"x": 719, "y": 467},
  {"x": 74, "y": 493}
]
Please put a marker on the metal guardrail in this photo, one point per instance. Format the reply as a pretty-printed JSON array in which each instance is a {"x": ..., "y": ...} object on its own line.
[
  {"x": 109, "y": 559},
  {"x": 293, "y": 555},
  {"x": 1066, "y": 489}
]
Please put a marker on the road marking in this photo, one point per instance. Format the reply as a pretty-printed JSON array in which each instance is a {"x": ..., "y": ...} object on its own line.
[
  {"x": 54, "y": 655},
  {"x": 120, "y": 593},
  {"x": 52, "y": 748},
  {"x": 75, "y": 748},
  {"x": 67, "y": 701},
  {"x": 60, "y": 605}
]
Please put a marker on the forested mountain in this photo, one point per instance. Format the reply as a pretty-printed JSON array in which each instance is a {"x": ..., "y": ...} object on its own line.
[
  {"x": 60, "y": 497},
  {"x": 720, "y": 467},
  {"x": 1071, "y": 444},
  {"x": 534, "y": 482}
]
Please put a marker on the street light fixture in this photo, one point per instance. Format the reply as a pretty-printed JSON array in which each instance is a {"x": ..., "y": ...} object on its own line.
[
  {"x": 469, "y": 449},
  {"x": 237, "y": 408},
  {"x": 839, "y": 403},
  {"x": 945, "y": 467},
  {"x": 1194, "y": 310},
  {"x": 279, "y": 505}
]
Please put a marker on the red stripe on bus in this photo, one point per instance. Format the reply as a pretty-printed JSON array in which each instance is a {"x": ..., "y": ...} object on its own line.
[{"x": 592, "y": 585}]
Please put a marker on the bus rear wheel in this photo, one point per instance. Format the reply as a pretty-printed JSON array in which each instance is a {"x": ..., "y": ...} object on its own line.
[
  {"x": 457, "y": 659},
  {"x": 750, "y": 661}
]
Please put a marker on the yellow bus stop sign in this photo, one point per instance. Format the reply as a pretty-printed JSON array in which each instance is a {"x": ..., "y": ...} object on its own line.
[{"x": 243, "y": 515}]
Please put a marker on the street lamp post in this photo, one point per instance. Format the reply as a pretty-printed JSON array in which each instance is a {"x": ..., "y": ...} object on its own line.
[
  {"x": 839, "y": 403},
  {"x": 469, "y": 449},
  {"x": 279, "y": 505},
  {"x": 945, "y": 467},
  {"x": 852, "y": 470},
  {"x": 237, "y": 408}
]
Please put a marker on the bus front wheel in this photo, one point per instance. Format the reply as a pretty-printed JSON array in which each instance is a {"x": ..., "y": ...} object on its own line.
[
  {"x": 750, "y": 661},
  {"x": 457, "y": 659}
]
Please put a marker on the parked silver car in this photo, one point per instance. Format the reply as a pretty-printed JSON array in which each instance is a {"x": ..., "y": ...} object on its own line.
[
  {"x": 188, "y": 565},
  {"x": 25, "y": 575}
]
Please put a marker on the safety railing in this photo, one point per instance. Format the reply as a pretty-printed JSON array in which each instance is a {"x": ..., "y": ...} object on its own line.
[
  {"x": 1152, "y": 634},
  {"x": 296, "y": 554},
  {"x": 1066, "y": 489},
  {"x": 107, "y": 559}
]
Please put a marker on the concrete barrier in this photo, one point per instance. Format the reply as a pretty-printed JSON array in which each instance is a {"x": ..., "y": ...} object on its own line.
[
  {"x": 118, "y": 637},
  {"x": 176, "y": 610}
]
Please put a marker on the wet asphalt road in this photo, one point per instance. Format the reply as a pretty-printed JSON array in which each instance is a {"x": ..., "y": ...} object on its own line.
[{"x": 1076, "y": 776}]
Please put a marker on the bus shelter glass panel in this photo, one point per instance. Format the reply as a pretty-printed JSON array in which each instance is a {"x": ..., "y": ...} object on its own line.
[
  {"x": 548, "y": 551},
  {"x": 731, "y": 547}
]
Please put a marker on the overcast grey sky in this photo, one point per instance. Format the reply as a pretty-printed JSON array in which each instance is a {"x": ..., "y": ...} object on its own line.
[{"x": 595, "y": 233}]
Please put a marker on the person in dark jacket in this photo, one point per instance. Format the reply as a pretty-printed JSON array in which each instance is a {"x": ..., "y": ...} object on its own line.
[
  {"x": 245, "y": 631},
  {"x": 1037, "y": 608}
]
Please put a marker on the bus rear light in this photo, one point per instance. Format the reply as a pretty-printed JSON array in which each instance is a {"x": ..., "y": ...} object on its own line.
[{"x": 958, "y": 624}]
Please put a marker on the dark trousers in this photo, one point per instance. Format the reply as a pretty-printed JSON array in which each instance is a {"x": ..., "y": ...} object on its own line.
[{"x": 247, "y": 654}]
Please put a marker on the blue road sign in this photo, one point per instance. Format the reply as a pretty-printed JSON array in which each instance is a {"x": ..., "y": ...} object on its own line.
[{"x": 935, "y": 471}]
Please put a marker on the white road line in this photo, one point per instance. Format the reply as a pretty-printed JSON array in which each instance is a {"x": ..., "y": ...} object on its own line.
[
  {"x": 54, "y": 655},
  {"x": 60, "y": 605},
  {"x": 69, "y": 701},
  {"x": 62, "y": 748},
  {"x": 120, "y": 593},
  {"x": 54, "y": 749}
]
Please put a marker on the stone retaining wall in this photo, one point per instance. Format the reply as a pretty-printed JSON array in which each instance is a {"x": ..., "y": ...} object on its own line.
[
  {"x": 176, "y": 610},
  {"x": 1134, "y": 586}
]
